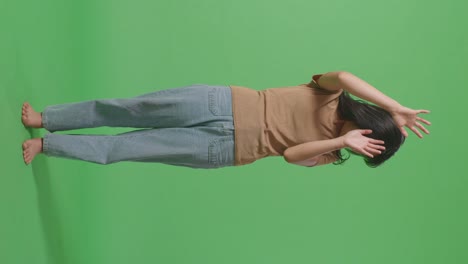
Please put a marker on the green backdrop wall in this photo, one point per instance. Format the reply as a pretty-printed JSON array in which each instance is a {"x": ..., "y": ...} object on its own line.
[{"x": 410, "y": 210}]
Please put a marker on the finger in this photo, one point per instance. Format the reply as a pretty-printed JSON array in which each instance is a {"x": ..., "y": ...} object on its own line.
[
  {"x": 376, "y": 141},
  {"x": 365, "y": 131},
  {"x": 416, "y": 132},
  {"x": 403, "y": 131},
  {"x": 367, "y": 153},
  {"x": 424, "y": 111},
  {"x": 373, "y": 151},
  {"x": 377, "y": 146},
  {"x": 423, "y": 120},
  {"x": 422, "y": 128}
]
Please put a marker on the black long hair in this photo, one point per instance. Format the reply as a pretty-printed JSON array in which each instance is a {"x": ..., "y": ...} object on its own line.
[{"x": 368, "y": 116}]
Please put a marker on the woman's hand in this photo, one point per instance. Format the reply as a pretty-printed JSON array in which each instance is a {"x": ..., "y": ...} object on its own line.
[
  {"x": 405, "y": 116},
  {"x": 359, "y": 143}
]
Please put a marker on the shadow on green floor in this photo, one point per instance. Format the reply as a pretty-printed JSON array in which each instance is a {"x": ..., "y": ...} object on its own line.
[{"x": 48, "y": 209}]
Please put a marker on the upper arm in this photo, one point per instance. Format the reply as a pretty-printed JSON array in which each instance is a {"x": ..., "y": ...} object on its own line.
[
  {"x": 330, "y": 80},
  {"x": 317, "y": 161},
  {"x": 307, "y": 163}
]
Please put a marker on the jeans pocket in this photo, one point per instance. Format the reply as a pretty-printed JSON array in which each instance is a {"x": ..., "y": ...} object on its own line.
[
  {"x": 221, "y": 152},
  {"x": 219, "y": 100}
]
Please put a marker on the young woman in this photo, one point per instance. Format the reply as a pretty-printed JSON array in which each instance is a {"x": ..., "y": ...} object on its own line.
[{"x": 212, "y": 126}]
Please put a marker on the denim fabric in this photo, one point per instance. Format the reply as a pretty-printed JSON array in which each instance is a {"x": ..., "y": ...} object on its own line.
[{"x": 185, "y": 126}]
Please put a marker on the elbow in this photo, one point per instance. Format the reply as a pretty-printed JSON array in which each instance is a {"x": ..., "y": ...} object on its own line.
[{"x": 287, "y": 156}]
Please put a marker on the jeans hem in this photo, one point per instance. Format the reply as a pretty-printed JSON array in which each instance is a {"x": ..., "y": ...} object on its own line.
[
  {"x": 45, "y": 120},
  {"x": 45, "y": 145}
]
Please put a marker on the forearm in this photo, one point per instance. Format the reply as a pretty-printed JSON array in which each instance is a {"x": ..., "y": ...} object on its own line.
[
  {"x": 364, "y": 90},
  {"x": 312, "y": 149}
]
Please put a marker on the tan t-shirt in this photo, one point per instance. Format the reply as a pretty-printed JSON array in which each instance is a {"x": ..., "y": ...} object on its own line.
[{"x": 269, "y": 121}]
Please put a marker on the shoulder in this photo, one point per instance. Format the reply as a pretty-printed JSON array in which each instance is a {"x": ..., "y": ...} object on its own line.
[{"x": 318, "y": 90}]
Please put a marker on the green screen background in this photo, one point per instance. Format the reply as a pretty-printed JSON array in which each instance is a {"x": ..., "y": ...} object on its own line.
[{"x": 410, "y": 210}]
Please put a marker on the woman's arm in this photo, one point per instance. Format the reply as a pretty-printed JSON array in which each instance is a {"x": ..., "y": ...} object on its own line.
[
  {"x": 358, "y": 87},
  {"x": 354, "y": 139},
  {"x": 311, "y": 150},
  {"x": 402, "y": 115}
]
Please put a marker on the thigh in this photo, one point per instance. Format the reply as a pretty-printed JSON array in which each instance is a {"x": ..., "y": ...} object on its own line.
[
  {"x": 192, "y": 105},
  {"x": 196, "y": 147}
]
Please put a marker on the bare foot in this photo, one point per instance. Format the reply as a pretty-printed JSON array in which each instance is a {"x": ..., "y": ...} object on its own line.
[
  {"x": 31, "y": 118},
  {"x": 30, "y": 148}
]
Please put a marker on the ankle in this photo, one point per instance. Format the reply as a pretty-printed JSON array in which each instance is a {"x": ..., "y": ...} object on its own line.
[{"x": 42, "y": 124}]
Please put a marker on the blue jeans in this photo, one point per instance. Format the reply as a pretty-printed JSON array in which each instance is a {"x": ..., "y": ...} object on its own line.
[{"x": 188, "y": 126}]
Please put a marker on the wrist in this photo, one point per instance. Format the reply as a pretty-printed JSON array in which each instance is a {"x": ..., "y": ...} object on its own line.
[
  {"x": 393, "y": 107},
  {"x": 340, "y": 142}
]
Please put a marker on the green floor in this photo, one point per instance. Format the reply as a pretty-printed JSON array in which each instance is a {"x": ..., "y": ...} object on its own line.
[{"x": 411, "y": 210}]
